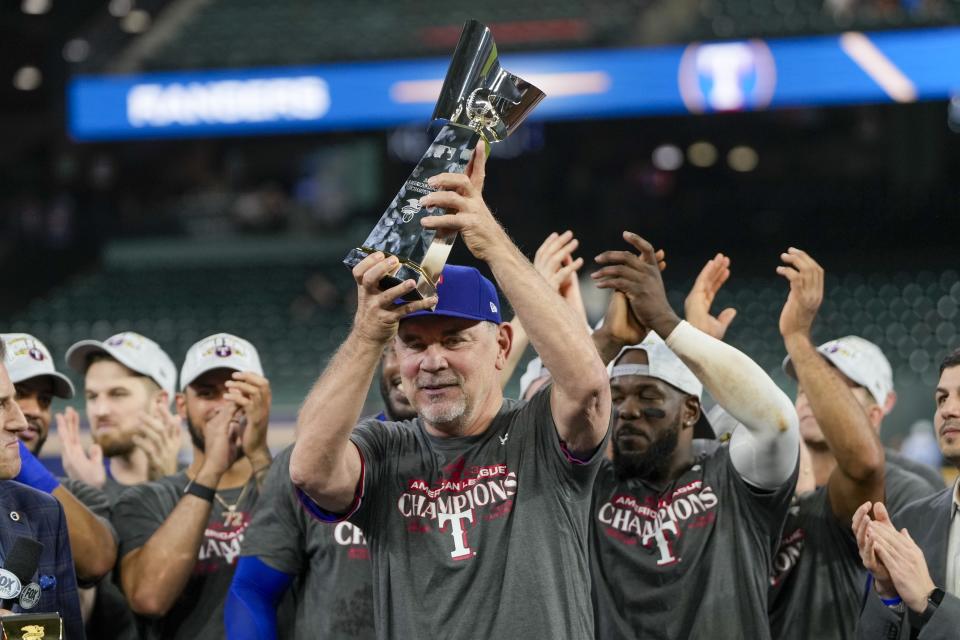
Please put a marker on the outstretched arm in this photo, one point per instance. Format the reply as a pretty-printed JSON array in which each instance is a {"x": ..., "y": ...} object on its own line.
[
  {"x": 555, "y": 262},
  {"x": 324, "y": 463},
  {"x": 858, "y": 476},
  {"x": 92, "y": 543},
  {"x": 765, "y": 450},
  {"x": 580, "y": 396},
  {"x": 251, "y": 609}
]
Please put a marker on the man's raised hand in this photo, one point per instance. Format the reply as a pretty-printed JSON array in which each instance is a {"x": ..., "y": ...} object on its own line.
[
  {"x": 378, "y": 315},
  {"x": 461, "y": 195},
  {"x": 806, "y": 292},
  {"x": 159, "y": 436},
  {"x": 637, "y": 275},
  {"x": 77, "y": 463},
  {"x": 252, "y": 394},
  {"x": 701, "y": 296}
]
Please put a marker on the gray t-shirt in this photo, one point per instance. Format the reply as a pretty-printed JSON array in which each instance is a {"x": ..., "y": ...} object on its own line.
[
  {"x": 818, "y": 582},
  {"x": 477, "y": 537},
  {"x": 91, "y": 497},
  {"x": 332, "y": 592},
  {"x": 685, "y": 559},
  {"x": 198, "y": 612},
  {"x": 932, "y": 476},
  {"x": 111, "y": 616}
]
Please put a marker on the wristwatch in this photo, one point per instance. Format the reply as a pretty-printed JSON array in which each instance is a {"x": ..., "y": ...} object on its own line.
[
  {"x": 933, "y": 602},
  {"x": 202, "y": 492}
]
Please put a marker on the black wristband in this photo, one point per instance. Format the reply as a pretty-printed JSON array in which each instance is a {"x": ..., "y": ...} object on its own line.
[
  {"x": 202, "y": 492},
  {"x": 933, "y": 602}
]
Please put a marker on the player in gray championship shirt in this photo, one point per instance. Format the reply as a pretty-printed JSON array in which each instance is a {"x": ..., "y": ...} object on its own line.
[
  {"x": 298, "y": 578},
  {"x": 843, "y": 387},
  {"x": 476, "y": 511},
  {"x": 681, "y": 543},
  {"x": 180, "y": 535}
]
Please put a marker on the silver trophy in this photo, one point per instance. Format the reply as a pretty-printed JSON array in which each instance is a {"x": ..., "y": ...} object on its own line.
[{"x": 479, "y": 100}]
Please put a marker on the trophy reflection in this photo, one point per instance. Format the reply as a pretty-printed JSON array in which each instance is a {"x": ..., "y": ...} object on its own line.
[{"x": 479, "y": 101}]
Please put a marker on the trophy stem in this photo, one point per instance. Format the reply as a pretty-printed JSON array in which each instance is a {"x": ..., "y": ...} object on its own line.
[{"x": 422, "y": 252}]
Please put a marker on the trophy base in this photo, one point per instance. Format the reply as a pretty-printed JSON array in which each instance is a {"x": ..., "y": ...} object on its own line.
[
  {"x": 406, "y": 271},
  {"x": 32, "y": 626}
]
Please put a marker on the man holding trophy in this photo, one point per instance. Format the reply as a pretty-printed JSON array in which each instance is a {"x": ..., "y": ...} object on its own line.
[{"x": 476, "y": 511}]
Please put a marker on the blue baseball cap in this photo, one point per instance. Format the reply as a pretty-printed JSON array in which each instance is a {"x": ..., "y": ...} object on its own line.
[{"x": 464, "y": 292}]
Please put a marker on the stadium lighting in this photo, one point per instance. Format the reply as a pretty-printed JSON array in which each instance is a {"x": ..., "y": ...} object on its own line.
[
  {"x": 76, "y": 50},
  {"x": 27, "y": 78},
  {"x": 702, "y": 154},
  {"x": 743, "y": 159},
  {"x": 120, "y": 8},
  {"x": 667, "y": 157},
  {"x": 137, "y": 21},
  {"x": 35, "y": 7}
]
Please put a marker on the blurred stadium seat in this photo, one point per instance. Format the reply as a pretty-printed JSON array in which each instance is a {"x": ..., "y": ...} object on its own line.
[{"x": 269, "y": 305}]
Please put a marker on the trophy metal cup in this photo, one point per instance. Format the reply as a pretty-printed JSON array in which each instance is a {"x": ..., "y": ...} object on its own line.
[{"x": 479, "y": 100}]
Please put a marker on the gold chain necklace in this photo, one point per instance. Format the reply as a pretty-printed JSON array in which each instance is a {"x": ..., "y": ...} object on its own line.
[{"x": 231, "y": 518}]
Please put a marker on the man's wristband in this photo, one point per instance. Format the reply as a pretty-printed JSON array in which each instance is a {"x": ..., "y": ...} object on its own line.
[
  {"x": 202, "y": 492},
  {"x": 933, "y": 602}
]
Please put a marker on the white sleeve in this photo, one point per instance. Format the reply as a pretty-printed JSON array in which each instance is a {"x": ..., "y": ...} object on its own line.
[{"x": 764, "y": 449}]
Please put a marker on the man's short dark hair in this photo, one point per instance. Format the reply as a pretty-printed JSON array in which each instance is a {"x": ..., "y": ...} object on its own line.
[
  {"x": 952, "y": 360},
  {"x": 3, "y": 351}
]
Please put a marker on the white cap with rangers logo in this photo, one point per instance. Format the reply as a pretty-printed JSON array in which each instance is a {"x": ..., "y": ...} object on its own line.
[
  {"x": 219, "y": 351},
  {"x": 134, "y": 351},
  {"x": 858, "y": 359},
  {"x": 29, "y": 358}
]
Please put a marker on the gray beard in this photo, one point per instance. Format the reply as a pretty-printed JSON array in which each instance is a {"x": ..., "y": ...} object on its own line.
[{"x": 447, "y": 415}]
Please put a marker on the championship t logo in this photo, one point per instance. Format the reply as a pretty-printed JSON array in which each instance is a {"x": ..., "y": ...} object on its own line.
[{"x": 460, "y": 549}]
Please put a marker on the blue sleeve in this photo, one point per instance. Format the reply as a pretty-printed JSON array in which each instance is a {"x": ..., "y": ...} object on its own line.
[{"x": 251, "y": 609}]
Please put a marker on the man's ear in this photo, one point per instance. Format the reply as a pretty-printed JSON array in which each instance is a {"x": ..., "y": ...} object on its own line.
[
  {"x": 890, "y": 403},
  {"x": 875, "y": 414},
  {"x": 691, "y": 411},
  {"x": 505, "y": 344},
  {"x": 181, "y": 400}
]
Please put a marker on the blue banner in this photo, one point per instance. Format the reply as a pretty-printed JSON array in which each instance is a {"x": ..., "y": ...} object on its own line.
[{"x": 849, "y": 68}]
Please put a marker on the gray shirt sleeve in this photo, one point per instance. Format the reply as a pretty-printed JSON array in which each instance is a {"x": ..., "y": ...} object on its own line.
[
  {"x": 574, "y": 475},
  {"x": 141, "y": 510},
  {"x": 276, "y": 533},
  {"x": 91, "y": 497}
]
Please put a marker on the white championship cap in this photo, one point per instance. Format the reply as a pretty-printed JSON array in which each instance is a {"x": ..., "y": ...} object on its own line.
[
  {"x": 29, "y": 358},
  {"x": 132, "y": 350},
  {"x": 663, "y": 364},
  {"x": 858, "y": 359},
  {"x": 219, "y": 351}
]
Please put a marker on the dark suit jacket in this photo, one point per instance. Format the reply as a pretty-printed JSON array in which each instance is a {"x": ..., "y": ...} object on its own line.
[
  {"x": 33, "y": 514},
  {"x": 928, "y": 521}
]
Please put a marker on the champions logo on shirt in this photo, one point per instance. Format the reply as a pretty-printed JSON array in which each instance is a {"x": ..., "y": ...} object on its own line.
[
  {"x": 658, "y": 525},
  {"x": 455, "y": 500},
  {"x": 220, "y": 547},
  {"x": 347, "y": 534},
  {"x": 788, "y": 554}
]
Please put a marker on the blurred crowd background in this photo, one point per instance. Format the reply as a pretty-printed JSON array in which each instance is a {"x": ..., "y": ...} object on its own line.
[{"x": 183, "y": 235}]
